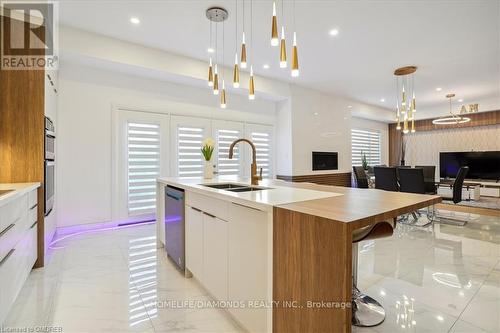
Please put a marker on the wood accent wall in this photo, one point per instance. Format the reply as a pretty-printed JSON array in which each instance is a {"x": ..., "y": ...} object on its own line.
[
  {"x": 22, "y": 124},
  {"x": 335, "y": 179},
  {"x": 477, "y": 119}
]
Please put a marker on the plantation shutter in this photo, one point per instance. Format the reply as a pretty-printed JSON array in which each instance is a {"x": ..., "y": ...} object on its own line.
[
  {"x": 189, "y": 158},
  {"x": 143, "y": 159},
  {"x": 367, "y": 142}
]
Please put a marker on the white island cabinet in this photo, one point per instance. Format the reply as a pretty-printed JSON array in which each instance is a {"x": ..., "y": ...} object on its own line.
[{"x": 229, "y": 242}]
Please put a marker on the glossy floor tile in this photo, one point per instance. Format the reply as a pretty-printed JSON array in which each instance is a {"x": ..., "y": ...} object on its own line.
[{"x": 439, "y": 278}]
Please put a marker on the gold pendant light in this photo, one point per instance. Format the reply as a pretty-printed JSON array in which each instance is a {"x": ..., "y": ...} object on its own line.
[
  {"x": 283, "y": 49},
  {"x": 243, "y": 62},
  {"x": 274, "y": 28},
  {"x": 210, "y": 74},
  {"x": 223, "y": 95},
  {"x": 251, "y": 87},
  {"x": 295, "y": 57},
  {"x": 406, "y": 107},
  {"x": 216, "y": 81},
  {"x": 236, "y": 73}
]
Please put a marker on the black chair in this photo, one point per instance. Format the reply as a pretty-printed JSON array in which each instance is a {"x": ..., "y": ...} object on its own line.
[
  {"x": 429, "y": 177},
  {"x": 386, "y": 178},
  {"x": 360, "y": 176},
  {"x": 412, "y": 180},
  {"x": 401, "y": 167},
  {"x": 457, "y": 197}
]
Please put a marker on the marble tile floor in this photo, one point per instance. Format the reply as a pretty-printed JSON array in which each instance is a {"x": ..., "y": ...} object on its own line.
[{"x": 439, "y": 278}]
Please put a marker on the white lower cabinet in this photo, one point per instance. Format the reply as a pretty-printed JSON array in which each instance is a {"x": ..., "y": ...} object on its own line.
[
  {"x": 215, "y": 256},
  {"x": 18, "y": 244},
  {"x": 232, "y": 256},
  {"x": 248, "y": 265},
  {"x": 194, "y": 241}
]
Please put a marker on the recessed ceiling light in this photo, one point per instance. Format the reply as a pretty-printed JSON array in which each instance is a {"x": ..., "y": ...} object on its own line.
[
  {"x": 382, "y": 100},
  {"x": 265, "y": 66},
  {"x": 135, "y": 20},
  {"x": 334, "y": 32},
  {"x": 315, "y": 113},
  {"x": 460, "y": 100},
  {"x": 210, "y": 50},
  {"x": 439, "y": 89},
  {"x": 349, "y": 106}
]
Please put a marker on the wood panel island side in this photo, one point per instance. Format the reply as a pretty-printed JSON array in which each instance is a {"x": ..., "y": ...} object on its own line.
[{"x": 284, "y": 253}]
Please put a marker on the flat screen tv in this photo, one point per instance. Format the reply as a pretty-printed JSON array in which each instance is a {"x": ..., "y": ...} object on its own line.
[
  {"x": 322, "y": 160},
  {"x": 482, "y": 164}
]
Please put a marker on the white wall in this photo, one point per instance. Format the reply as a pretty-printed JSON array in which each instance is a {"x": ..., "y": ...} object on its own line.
[
  {"x": 320, "y": 123},
  {"x": 423, "y": 148},
  {"x": 86, "y": 99},
  {"x": 383, "y": 128}
]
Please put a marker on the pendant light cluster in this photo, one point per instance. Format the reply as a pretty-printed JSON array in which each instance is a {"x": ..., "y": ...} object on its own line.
[
  {"x": 282, "y": 42},
  {"x": 406, "y": 105},
  {"x": 452, "y": 118},
  {"x": 216, "y": 76}
]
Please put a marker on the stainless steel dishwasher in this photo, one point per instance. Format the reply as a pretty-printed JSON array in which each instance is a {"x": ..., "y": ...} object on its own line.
[{"x": 174, "y": 225}]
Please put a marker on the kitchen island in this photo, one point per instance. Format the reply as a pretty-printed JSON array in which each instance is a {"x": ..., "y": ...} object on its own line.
[{"x": 280, "y": 256}]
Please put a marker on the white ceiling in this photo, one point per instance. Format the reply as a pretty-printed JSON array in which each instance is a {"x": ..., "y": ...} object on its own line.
[{"x": 455, "y": 44}]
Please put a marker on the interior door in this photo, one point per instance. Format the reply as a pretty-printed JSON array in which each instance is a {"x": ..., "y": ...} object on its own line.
[{"x": 141, "y": 156}]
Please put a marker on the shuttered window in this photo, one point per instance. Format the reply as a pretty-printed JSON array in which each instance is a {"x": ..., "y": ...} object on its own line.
[
  {"x": 190, "y": 161},
  {"x": 143, "y": 144},
  {"x": 367, "y": 142},
  {"x": 226, "y": 166},
  {"x": 262, "y": 141}
]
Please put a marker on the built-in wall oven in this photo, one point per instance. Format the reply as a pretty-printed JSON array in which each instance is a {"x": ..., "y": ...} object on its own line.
[{"x": 50, "y": 164}]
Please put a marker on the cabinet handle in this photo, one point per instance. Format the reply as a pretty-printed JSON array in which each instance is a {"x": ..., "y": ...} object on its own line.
[
  {"x": 33, "y": 206},
  {"x": 237, "y": 204},
  {"x": 4, "y": 231},
  {"x": 171, "y": 196},
  {"x": 207, "y": 214},
  {"x": 7, "y": 257},
  {"x": 196, "y": 209},
  {"x": 34, "y": 224}
]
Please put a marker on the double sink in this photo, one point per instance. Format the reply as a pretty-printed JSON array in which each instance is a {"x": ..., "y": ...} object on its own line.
[{"x": 231, "y": 187}]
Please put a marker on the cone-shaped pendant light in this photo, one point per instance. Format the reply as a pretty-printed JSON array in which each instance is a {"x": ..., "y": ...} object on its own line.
[
  {"x": 236, "y": 73},
  {"x": 398, "y": 118},
  {"x": 295, "y": 57},
  {"x": 210, "y": 74},
  {"x": 243, "y": 62},
  {"x": 216, "y": 81},
  {"x": 283, "y": 49},
  {"x": 223, "y": 95},
  {"x": 274, "y": 28},
  {"x": 405, "y": 125},
  {"x": 413, "y": 124},
  {"x": 251, "y": 88},
  {"x": 413, "y": 104}
]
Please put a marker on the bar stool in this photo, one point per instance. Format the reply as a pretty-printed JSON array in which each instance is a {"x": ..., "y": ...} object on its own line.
[{"x": 366, "y": 311}]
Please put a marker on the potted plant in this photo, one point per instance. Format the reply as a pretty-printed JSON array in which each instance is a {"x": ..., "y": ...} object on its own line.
[
  {"x": 364, "y": 161},
  {"x": 207, "y": 150}
]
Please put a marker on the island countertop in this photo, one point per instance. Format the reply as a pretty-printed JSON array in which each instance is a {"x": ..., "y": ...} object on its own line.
[{"x": 342, "y": 204}]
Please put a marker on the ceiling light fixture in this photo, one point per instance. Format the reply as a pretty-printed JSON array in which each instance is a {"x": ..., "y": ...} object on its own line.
[
  {"x": 283, "y": 63},
  {"x": 334, "y": 32},
  {"x": 274, "y": 27},
  {"x": 382, "y": 100},
  {"x": 223, "y": 95},
  {"x": 210, "y": 50},
  {"x": 243, "y": 61},
  {"x": 405, "y": 107},
  {"x": 439, "y": 89},
  {"x": 236, "y": 70},
  {"x": 265, "y": 66},
  {"x": 460, "y": 100},
  {"x": 135, "y": 20},
  {"x": 451, "y": 119},
  {"x": 210, "y": 74},
  {"x": 251, "y": 86},
  {"x": 216, "y": 81},
  {"x": 295, "y": 54}
]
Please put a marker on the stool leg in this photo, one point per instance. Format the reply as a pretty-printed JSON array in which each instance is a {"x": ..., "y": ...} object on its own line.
[{"x": 366, "y": 311}]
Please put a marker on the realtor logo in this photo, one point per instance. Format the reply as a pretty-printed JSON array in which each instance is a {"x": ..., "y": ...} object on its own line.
[{"x": 28, "y": 35}]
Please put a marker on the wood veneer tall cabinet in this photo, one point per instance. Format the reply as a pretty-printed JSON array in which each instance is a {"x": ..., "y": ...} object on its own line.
[{"x": 22, "y": 123}]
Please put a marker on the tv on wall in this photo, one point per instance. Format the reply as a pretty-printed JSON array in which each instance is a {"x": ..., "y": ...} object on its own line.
[{"x": 482, "y": 164}]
